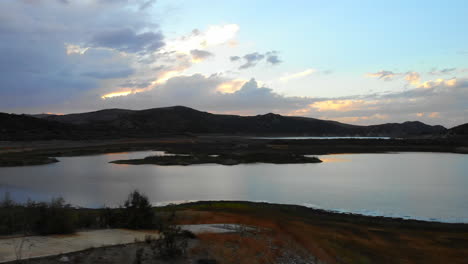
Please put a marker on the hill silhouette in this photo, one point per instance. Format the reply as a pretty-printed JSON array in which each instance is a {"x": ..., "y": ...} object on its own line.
[{"x": 118, "y": 123}]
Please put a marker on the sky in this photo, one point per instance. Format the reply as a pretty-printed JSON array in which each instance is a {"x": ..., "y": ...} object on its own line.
[{"x": 360, "y": 62}]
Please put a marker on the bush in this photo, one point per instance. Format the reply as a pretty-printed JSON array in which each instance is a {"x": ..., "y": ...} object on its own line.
[
  {"x": 138, "y": 212},
  {"x": 55, "y": 217},
  {"x": 10, "y": 216},
  {"x": 173, "y": 242}
]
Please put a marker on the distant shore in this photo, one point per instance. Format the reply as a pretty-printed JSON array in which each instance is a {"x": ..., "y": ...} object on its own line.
[
  {"x": 223, "y": 159},
  {"x": 24, "y": 153}
]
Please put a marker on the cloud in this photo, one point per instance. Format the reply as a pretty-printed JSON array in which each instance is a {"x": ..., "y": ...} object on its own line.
[
  {"x": 384, "y": 75},
  {"x": 127, "y": 40},
  {"x": 200, "y": 55},
  {"x": 252, "y": 59},
  {"x": 231, "y": 86},
  {"x": 109, "y": 74},
  {"x": 298, "y": 75},
  {"x": 147, "y": 4},
  {"x": 272, "y": 57},
  {"x": 342, "y": 105},
  {"x": 443, "y": 71},
  {"x": 413, "y": 78},
  {"x": 55, "y": 51},
  {"x": 214, "y": 35},
  {"x": 205, "y": 92},
  {"x": 442, "y": 103},
  {"x": 438, "y": 82}
]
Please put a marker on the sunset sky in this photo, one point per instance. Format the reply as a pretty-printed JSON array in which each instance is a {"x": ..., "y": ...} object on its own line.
[{"x": 360, "y": 62}]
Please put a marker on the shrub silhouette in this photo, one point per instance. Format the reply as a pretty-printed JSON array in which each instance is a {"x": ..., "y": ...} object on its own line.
[
  {"x": 138, "y": 212},
  {"x": 55, "y": 217}
]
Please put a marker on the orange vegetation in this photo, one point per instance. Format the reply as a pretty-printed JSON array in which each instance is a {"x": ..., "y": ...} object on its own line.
[{"x": 330, "y": 238}]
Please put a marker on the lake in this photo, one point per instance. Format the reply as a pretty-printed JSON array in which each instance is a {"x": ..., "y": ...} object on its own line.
[
  {"x": 302, "y": 138},
  {"x": 427, "y": 186}
]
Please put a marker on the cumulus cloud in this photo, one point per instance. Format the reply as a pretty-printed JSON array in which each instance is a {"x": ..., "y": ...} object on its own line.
[
  {"x": 413, "y": 78},
  {"x": 252, "y": 59},
  {"x": 204, "y": 92},
  {"x": 440, "y": 103},
  {"x": 214, "y": 35}
]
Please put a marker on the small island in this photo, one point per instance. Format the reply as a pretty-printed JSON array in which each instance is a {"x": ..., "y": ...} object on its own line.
[{"x": 223, "y": 159}]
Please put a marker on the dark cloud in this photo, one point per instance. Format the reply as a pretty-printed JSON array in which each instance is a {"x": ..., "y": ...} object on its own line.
[
  {"x": 200, "y": 54},
  {"x": 128, "y": 40},
  {"x": 272, "y": 57},
  {"x": 147, "y": 4},
  {"x": 109, "y": 74},
  {"x": 135, "y": 84},
  {"x": 252, "y": 59},
  {"x": 37, "y": 65}
]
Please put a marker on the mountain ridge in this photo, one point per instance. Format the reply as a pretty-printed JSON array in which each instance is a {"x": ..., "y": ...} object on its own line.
[{"x": 117, "y": 123}]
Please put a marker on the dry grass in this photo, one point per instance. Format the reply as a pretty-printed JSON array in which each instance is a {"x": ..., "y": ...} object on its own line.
[
  {"x": 331, "y": 241},
  {"x": 259, "y": 248}
]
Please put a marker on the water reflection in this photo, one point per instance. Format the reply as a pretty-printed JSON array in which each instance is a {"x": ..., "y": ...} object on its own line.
[{"x": 420, "y": 185}]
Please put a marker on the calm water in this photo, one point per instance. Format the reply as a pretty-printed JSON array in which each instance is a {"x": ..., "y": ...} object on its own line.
[
  {"x": 299, "y": 138},
  {"x": 431, "y": 186}
]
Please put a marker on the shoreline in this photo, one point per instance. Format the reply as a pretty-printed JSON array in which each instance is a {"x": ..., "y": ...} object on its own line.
[
  {"x": 311, "y": 210},
  {"x": 342, "y": 212}
]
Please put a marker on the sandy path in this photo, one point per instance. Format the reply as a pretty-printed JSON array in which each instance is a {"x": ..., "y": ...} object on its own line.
[{"x": 42, "y": 246}]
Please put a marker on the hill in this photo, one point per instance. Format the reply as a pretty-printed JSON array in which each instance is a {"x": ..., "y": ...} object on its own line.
[
  {"x": 118, "y": 123},
  {"x": 461, "y": 130}
]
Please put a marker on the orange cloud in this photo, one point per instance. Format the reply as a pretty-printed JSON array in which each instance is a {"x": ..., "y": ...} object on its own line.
[
  {"x": 342, "y": 105},
  {"x": 413, "y": 78},
  {"x": 356, "y": 119},
  {"x": 385, "y": 75},
  {"x": 123, "y": 93},
  {"x": 430, "y": 84},
  {"x": 231, "y": 86}
]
